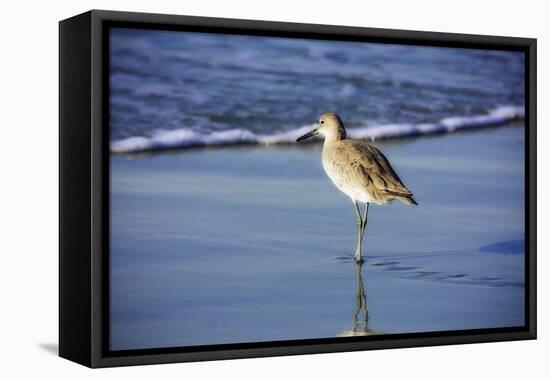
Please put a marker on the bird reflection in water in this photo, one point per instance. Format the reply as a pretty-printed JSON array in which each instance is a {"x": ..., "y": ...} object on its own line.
[{"x": 360, "y": 321}]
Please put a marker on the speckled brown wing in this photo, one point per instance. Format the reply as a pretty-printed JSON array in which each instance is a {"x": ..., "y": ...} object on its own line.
[{"x": 373, "y": 170}]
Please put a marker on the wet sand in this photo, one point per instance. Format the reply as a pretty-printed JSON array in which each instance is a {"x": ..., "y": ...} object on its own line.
[{"x": 246, "y": 244}]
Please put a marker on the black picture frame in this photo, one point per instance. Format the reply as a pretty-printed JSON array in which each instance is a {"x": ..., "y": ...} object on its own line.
[{"x": 84, "y": 188}]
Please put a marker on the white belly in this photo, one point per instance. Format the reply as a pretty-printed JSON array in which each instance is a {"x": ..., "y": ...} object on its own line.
[{"x": 346, "y": 184}]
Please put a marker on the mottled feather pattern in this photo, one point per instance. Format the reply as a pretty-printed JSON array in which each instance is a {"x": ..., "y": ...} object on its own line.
[{"x": 354, "y": 165}]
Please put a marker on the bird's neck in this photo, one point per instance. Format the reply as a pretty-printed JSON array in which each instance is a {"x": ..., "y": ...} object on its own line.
[{"x": 335, "y": 137}]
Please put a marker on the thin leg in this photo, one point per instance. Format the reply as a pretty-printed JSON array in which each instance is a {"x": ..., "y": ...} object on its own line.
[
  {"x": 362, "y": 224},
  {"x": 360, "y": 229},
  {"x": 365, "y": 218},
  {"x": 358, "y": 213}
]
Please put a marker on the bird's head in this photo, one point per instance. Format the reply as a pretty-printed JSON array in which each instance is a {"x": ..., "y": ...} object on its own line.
[{"x": 330, "y": 126}]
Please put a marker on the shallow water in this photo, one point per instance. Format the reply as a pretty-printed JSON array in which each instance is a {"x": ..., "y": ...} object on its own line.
[{"x": 244, "y": 244}]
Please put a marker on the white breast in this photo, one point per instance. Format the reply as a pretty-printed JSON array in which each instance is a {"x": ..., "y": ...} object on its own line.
[{"x": 346, "y": 184}]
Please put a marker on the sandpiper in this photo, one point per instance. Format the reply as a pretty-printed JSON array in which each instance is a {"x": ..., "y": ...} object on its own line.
[{"x": 359, "y": 170}]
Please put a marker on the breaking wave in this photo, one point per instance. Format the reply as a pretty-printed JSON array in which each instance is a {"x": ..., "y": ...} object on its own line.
[{"x": 187, "y": 138}]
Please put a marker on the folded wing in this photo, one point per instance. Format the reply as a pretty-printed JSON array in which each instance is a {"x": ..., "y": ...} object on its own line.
[{"x": 370, "y": 169}]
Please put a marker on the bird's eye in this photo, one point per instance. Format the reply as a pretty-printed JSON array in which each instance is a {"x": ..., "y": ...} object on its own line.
[{"x": 322, "y": 122}]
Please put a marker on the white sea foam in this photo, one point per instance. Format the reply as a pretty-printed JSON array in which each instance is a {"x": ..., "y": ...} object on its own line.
[{"x": 186, "y": 138}]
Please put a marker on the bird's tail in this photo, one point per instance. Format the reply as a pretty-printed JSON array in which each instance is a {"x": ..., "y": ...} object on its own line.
[
  {"x": 404, "y": 196},
  {"x": 408, "y": 200}
]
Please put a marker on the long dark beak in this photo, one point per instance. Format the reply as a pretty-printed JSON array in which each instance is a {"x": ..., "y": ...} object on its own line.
[{"x": 308, "y": 135}]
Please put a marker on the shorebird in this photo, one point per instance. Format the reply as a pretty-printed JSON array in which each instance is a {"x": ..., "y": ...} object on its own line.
[{"x": 359, "y": 170}]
